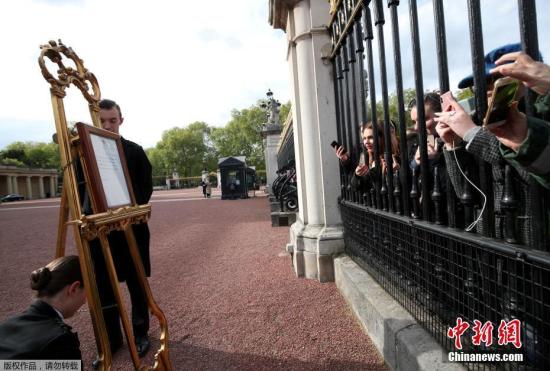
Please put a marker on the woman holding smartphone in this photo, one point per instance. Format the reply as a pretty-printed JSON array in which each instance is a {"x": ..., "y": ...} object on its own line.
[
  {"x": 366, "y": 173},
  {"x": 366, "y": 160}
]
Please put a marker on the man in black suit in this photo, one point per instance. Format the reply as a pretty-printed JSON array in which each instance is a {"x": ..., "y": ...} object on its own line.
[{"x": 140, "y": 172}]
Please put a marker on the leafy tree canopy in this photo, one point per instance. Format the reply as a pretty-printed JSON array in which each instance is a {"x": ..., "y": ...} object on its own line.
[
  {"x": 186, "y": 150},
  {"x": 31, "y": 154},
  {"x": 242, "y": 136}
]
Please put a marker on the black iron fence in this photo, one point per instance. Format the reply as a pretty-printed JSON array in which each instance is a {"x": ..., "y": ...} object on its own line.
[
  {"x": 285, "y": 153},
  {"x": 411, "y": 228},
  {"x": 284, "y": 187}
]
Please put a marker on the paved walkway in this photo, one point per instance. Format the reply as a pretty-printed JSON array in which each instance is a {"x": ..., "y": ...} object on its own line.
[{"x": 222, "y": 278}]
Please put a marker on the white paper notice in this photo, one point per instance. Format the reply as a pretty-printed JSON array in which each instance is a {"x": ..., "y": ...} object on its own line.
[{"x": 110, "y": 171}]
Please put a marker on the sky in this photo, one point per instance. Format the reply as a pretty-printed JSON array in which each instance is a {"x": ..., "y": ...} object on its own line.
[
  {"x": 500, "y": 25},
  {"x": 169, "y": 63}
]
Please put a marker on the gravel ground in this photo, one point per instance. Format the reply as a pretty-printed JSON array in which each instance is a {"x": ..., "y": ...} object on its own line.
[{"x": 223, "y": 280}]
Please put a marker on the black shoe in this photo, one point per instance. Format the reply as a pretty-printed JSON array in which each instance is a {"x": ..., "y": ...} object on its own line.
[
  {"x": 142, "y": 344},
  {"x": 95, "y": 363}
]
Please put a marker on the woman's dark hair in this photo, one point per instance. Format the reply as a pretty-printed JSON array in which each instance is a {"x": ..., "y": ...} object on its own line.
[{"x": 49, "y": 280}]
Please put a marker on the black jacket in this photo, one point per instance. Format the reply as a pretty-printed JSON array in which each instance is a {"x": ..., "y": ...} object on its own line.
[{"x": 38, "y": 333}]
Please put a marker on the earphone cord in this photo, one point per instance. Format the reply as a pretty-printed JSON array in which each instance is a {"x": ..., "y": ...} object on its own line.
[{"x": 471, "y": 226}]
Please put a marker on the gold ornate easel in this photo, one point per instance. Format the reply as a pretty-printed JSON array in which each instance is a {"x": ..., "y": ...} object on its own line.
[{"x": 98, "y": 225}]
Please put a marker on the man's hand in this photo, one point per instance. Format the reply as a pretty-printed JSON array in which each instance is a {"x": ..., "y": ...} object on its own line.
[
  {"x": 342, "y": 154},
  {"x": 535, "y": 75},
  {"x": 514, "y": 130},
  {"x": 361, "y": 170}
]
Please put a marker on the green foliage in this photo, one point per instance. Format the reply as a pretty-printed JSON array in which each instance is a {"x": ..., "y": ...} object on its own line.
[
  {"x": 408, "y": 95},
  {"x": 284, "y": 111},
  {"x": 31, "y": 154},
  {"x": 12, "y": 162},
  {"x": 15, "y": 151},
  {"x": 463, "y": 94},
  {"x": 242, "y": 136},
  {"x": 186, "y": 150}
]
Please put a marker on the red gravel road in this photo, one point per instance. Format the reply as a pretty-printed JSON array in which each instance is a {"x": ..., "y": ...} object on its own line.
[{"x": 221, "y": 277}]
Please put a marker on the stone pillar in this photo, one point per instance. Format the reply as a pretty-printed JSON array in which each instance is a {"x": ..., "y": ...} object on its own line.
[
  {"x": 41, "y": 187},
  {"x": 53, "y": 190},
  {"x": 272, "y": 134},
  {"x": 10, "y": 184},
  {"x": 317, "y": 235},
  {"x": 15, "y": 186},
  {"x": 29, "y": 188}
]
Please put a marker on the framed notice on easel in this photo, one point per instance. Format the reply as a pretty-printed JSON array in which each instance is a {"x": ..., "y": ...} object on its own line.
[{"x": 105, "y": 166}]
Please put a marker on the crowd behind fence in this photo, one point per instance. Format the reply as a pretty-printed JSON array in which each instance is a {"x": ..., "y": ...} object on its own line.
[{"x": 411, "y": 222}]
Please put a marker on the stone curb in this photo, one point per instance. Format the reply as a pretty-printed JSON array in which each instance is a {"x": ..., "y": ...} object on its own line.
[{"x": 403, "y": 343}]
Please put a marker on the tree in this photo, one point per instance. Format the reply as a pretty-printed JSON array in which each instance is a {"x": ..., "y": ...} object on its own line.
[
  {"x": 242, "y": 136},
  {"x": 44, "y": 155},
  {"x": 31, "y": 154},
  {"x": 15, "y": 151},
  {"x": 463, "y": 94},
  {"x": 186, "y": 150},
  {"x": 284, "y": 111},
  {"x": 408, "y": 96}
]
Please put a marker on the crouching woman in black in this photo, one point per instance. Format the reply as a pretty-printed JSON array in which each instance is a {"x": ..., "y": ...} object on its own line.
[{"x": 39, "y": 332}]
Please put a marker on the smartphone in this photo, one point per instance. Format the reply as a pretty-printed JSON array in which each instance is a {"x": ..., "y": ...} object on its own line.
[
  {"x": 362, "y": 159},
  {"x": 335, "y": 145},
  {"x": 504, "y": 93},
  {"x": 446, "y": 99}
]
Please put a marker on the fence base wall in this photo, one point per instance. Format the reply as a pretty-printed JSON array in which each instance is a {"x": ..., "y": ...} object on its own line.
[{"x": 403, "y": 343}]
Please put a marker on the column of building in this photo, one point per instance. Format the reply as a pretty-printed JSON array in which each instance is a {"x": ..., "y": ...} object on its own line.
[
  {"x": 41, "y": 187},
  {"x": 9, "y": 184},
  {"x": 317, "y": 234},
  {"x": 53, "y": 188},
  {"x": 29, "y": 188},
  {"x": 15, "y": 186}
]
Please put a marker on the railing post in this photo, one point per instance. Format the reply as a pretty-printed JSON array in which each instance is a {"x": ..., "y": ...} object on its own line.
[
  {"x": 529, "y": 40},
  {"x": 372, "y": 92},
  {"x": 339, "y": 117},
  {"x": 392, "y": 4},
  {"x": 419, "y": 86},
  {"x": 443, "y": 70},
  {"x": 379, "y": 22},
  {"x": 480, "y": 84}
]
